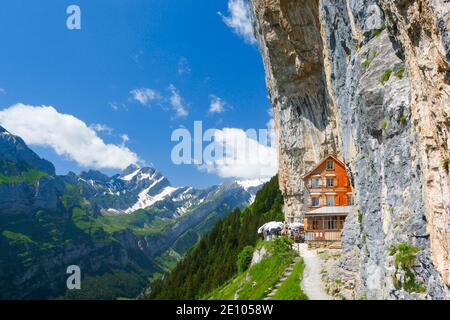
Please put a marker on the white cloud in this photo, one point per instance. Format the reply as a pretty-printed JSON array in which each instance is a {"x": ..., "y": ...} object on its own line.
[
  {"x": 144, "y": 95},
  {"x": 137, "y": 57},
  {"x": 113, "y": 105},
  {"x": 116, "y": 106},
  {"x": 66, "y": 135},
  {"x": 239, "y": 20},
  {"x": 216, "y": 105},
  {"x": 245, "y": 155},
  {"x": 103, "y": 128},
  {"x": 125, "y": 138},
  {"x": 183, "y": 66},
  {"x": 176, "y": 102}
]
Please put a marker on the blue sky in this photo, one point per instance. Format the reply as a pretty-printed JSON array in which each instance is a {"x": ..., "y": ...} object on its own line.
[{"x": 167, "y": 46}]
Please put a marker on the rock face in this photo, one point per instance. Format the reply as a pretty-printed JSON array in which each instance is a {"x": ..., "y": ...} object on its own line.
[
  {"x": 258, "y": 255},
  {"x": 31, "y": 189},
  {"x": 291, "y": 47},
  {"x": 368, "y": 80},
  {"x": 14, "y": 149}
]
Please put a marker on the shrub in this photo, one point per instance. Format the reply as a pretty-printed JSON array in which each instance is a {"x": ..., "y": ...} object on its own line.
[
  {"x": 245, "y": 258},
  {"x": 384, "y": 125},
  {"x": 405, "y": 257},
  {"x": 282, "y": 244},
  {"x": 399, "y": 72},
  {"x": 370, "y": 56},
  {"x": 392, "y": 250},
  {"x": 403, "y": 120},
  {"x": 366, "y": 63},
  {"x": 359, "y": 216},
  {"x": 386, "y": 76},
  {"x": 378, "y": 32}
]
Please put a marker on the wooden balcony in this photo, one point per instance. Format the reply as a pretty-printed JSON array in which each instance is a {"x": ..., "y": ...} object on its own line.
[{"x": 323, "y": 235}]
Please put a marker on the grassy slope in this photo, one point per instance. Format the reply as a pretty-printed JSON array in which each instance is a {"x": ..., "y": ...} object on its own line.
[
  {"x": 29, "y": 176},
  {"x": 11, "y": 173},
  {"x": 255, "y": 283},
  {"x": 290, "y": 289},
  {"x": 141, "y": 222}
]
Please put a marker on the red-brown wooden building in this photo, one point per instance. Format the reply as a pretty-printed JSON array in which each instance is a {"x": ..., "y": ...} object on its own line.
[{"x": 329, "y": 200}]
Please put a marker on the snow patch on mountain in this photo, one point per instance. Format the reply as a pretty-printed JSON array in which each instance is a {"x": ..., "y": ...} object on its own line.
[
  {"x": 130, "y": 176},
  {"x": 145, "y": 200},
  {"x": 248, "y": 184}
]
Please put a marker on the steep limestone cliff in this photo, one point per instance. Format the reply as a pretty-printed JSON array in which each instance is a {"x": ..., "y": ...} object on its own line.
[
  {"x": 291, "y": 45},
  {"x": 368, "y": 79}
]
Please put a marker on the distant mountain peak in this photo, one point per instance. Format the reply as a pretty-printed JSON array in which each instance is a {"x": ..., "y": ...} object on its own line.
[
  {"x": 14, "y": 149},
  {"x": 251, "y": 183},
  {"x": 133, "y": 172},
  {"x": 5, "y": 134},
  {"x": 94, "y": 175},
  {"x": 130, "y": 172},
  {"x": 130, "y": 169}
]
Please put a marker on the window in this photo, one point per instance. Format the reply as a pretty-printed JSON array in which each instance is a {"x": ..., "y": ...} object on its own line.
[
  {"x": 330, "y": 165},
  {"x": 330, "y": 201},
  {"x": 330, "y": 183},
  {"x": 317, "y": 224},
  {"x": 315, "y": 183},
  {"x": 315, "y": 202},
  {"x": 330, "y": 223},
  {"x": 351, "y": 201},
  {"x": 340, "y": 222}
]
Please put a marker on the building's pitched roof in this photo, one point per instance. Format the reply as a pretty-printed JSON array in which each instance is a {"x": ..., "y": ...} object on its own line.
[{"x": 321, "y": 162}]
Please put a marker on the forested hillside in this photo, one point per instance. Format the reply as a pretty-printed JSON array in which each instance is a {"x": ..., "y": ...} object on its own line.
[{"x": 213, "y": 261}]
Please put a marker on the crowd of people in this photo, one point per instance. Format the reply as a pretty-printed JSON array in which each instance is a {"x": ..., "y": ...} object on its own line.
[{"x": 273, "y": 229}]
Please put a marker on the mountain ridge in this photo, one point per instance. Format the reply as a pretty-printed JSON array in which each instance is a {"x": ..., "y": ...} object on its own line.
[{"x": 50, "y": 221}]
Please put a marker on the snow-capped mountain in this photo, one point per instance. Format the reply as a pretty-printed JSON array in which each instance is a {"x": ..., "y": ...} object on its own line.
[
  {"x": 146, "y": 188},
  {"x": 251, "y": 184}
]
